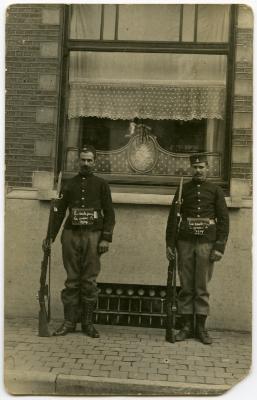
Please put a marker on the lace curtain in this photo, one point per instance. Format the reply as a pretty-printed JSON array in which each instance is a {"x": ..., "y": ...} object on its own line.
[
  {"x": 155, "y": 86},
  {"x": 127, "y": 100}
]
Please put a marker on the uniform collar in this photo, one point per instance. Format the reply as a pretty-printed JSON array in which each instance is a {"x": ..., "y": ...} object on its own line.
[
  {"x": 195, "y": 182},
  {"x": 85, "y": 175}
]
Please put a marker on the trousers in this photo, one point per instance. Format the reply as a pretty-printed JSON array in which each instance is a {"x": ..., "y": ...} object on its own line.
[
  {"x": 82, "y": 264},
  {"x": 195, "y": 272}
]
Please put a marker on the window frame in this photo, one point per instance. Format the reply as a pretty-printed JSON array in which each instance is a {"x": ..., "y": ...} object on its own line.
[{"x": 116, "y": 45}]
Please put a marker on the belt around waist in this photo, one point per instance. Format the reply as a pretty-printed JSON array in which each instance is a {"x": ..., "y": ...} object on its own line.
[{"x": 209, "y": 221}]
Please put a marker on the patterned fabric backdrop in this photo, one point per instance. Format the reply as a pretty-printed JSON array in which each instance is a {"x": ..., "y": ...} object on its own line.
[
  {"x": 144, "y": 158},
  {"x": 149, "y": 158}
]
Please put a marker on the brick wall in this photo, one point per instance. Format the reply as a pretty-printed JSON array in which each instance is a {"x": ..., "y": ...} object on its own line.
[
  {"x": 33, "y": 63},
  {"x": 241, "y": 170}
]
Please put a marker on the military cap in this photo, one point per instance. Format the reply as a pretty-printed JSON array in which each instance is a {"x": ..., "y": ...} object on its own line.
[
  {"x": 88, "y": 148},
  {"x": 198, "y": 158}
]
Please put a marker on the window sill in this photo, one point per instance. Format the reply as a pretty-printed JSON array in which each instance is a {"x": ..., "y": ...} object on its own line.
[
  {"x": 31, "y": 194},
  {"x": 122, "y": 197}
]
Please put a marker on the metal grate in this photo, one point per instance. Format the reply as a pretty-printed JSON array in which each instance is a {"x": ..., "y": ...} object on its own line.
[{"x": 131, "y": 305}]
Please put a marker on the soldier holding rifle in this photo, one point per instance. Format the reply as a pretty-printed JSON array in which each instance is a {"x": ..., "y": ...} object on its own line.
[
  {"x": 201, "y": 241},
  {"x": 86, "y": 235}
]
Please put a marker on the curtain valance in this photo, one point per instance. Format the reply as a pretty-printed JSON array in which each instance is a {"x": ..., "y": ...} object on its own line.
[{"x": 184, "y": 100}]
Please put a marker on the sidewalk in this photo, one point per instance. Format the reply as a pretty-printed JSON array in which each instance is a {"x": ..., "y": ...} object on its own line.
[{"x": 123, "y": 361}]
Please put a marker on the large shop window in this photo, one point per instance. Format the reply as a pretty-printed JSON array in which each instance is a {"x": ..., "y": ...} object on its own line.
[{"x": 145, "y": 112}]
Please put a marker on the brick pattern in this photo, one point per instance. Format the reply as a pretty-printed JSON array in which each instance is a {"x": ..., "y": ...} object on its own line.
[
  {"x": 244, "y": 36},
  {"x": 244, "y": 70},
  {"x": 129, "y": 353},
  {"x": 242, "y": 170},
  {"x": 242, "y": 137},
  {"x": 25, "y": 32},
  {"x": 243, "y": 102}
]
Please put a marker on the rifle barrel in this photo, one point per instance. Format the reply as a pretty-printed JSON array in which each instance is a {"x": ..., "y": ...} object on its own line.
[
  {"x": 58, "y": 189},
  {"x": 171, "y": 280}
]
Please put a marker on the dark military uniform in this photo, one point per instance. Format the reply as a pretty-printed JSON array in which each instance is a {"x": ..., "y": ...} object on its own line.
[
  {"x": 91, "y": 219},
  {"x": 204, "y": 228}
]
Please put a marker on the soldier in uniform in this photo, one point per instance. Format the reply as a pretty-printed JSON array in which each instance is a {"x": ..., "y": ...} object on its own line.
[
  {"x": 201, "y": 242},
  {"x": 86, "y": 235}
]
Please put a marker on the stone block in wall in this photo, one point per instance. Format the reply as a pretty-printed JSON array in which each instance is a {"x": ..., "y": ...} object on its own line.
[
  {"x": 43, "y": 148},
  {"x": 244, "y": 48},
  {"x": 42, "y": 180},
  {"x": 45, "y": 115},
  {"x": 241, "y": 154},
  {"x": 47, "y": 82},
  {"x": 242, "y": 120},
  {"x": 244, "y": 53},
  {"x": 240, "y": 188},
  {"x": 245, "y": 17},
  {"x": 49, "y": 50},
  {"x": 243, "y": 87},
  {"x": 50, "y": 16}
]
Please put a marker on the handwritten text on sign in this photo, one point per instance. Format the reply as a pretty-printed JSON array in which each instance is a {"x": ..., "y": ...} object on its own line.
[{"x": 83, "y": 216}]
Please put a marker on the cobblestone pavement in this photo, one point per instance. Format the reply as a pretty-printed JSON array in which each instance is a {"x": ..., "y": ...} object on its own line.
[{"x": 124, "y": 360}]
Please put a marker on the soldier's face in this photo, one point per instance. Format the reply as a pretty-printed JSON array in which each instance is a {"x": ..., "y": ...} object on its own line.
[
  {"x": 86, "y": 161},
  {"x": 199, "y": 171}
]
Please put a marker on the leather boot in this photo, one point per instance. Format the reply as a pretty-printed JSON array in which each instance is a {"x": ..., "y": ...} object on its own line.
[
  {"x": 201, "y": 331},
  {"x": 87, "y": 319},
  {"x": 187, "y": 330},
  {"x": 69, "y": 324}
]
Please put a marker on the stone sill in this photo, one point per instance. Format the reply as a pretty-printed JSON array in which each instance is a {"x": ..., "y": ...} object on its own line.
[{"x": 121, "y": 198}]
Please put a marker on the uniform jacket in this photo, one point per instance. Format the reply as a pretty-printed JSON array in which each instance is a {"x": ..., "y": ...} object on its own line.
[
  {"x": 86, "y": 192},
  {"x": 201, "y": 200}
]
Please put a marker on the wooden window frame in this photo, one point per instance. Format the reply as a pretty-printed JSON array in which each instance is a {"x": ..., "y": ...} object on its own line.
[{"x": 179, "y": 47}]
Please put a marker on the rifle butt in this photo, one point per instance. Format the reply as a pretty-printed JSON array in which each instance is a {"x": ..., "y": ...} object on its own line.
[
  {"x": 170, "y": 326},
  {"x": 170, "y": 335},
  {"x": 43, "y": 326},
  {"x": 171, "y": 302}
]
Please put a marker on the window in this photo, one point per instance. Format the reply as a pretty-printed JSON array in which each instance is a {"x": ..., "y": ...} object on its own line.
[{"x": 148, "y": 85}]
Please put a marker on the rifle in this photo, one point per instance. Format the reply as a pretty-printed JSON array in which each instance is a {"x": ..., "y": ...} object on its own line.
[
  {"x": 171, "y": 303},
  {"x": 44, "y": 316}
]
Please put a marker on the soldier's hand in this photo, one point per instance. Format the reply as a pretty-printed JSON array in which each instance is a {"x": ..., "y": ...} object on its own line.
[
  {"x": 170, "y": 253},
  {"x": 103, "y": 246},
  {"x": 46, "y": 245},
  {"x": 215, "y": 256}
]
